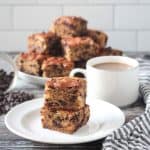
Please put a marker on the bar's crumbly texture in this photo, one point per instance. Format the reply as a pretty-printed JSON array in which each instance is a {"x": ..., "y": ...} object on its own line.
[
  {"x": 30, "y": 62},
  {"x": 64, "y": 121},
  {"x": 45, "y": 43},
  {"x": 110, "y": 52},
  {"x": 102, "y": 52},
  {"x": 80, "y": 64},
  {"x": 69, "y": 26},
  {"x": 99, "y": 37},
  {"x": 56, "y": 67},
  {"x": 65, "y": 93},
  {"x": 86, "y": 115},
  {"x": 79, "y": 48}
]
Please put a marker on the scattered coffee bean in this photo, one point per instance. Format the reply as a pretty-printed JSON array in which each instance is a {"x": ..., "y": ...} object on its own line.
[{"x": 10, "y": 99}]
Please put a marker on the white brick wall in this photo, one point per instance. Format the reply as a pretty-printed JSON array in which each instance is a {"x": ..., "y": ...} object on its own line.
[
  {"x": 127, "y": 22},
  {"x": 100, "y": 17},
  {"x": 35, "y": 17},
  {"x": 132, "y": 17},
  {"x": 5, "y": 12}
]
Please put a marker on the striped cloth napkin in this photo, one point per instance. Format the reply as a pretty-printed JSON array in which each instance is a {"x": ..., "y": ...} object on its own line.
[{"x": 135, "y": 135}]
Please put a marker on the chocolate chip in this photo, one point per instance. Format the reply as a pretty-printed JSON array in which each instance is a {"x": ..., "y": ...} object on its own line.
[
  {"x": 62, "y": 102},
  {"x": 57, "y": 122},
  {"x": 75, "y": 118}
]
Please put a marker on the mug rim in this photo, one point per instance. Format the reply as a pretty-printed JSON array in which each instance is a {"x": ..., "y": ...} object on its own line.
[{"x": 116, "y": 59}]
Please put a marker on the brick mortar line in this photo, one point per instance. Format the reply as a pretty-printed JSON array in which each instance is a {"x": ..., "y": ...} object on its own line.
[
  {"x": 113, "y": 17},
  {"x": 68, "y": 4},
  {"x": 107, "y": 30},
  {"x": 12, "y": 17},
  {"x": 136, "y": 41},
  {"x": 77, "y": 4},
  {"x": 62, "y": 9}
]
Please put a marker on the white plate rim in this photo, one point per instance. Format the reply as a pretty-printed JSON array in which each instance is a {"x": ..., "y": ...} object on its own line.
[{"x": 84, "y": 140}]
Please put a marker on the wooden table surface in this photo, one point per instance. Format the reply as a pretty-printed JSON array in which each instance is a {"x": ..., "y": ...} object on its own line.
[{"x": 9, "y": 141}]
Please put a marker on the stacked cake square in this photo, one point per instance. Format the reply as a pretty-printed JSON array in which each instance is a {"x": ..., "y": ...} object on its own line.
[
  {"x": 69, "y": 42},
  {"x": 65, "y": 107}
]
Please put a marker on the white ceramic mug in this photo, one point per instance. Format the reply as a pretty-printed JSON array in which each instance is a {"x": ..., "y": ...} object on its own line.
[{"x": 120, "y": 88}]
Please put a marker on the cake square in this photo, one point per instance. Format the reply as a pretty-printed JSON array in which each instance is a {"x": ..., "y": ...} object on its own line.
[
  {"x": 99, "y": 37},
  {"x": 79, "y": 48},
  {"x": 64, "y": 120},
  {"x": 67, "y": 93},
  {"x": 56, "y": 67},
  {"x": 45, "y": 43},
  {"x": 30, "y": 62},
  {"x": 69, "y": 26},
  {"x": 110, "y": 52}
]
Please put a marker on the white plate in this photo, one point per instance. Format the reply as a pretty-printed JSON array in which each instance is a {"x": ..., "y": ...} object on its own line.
[
  {"x": 24, "y": 120},
  {"x": 37, "y": 80}
]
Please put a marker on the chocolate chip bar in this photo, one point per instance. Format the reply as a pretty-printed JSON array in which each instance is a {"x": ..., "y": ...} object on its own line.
[
  {"x": 65, "y": 93},
  {"x": 30, "y": 62},
  {"x": 56, "y": 67},
  {"x": 64, "y": 121},
  {"x": 69, "y": 26},
  {"x": 110, "y": 52},
  {"x": 99, "y": 37},
  {"x": 45, "y": 43},
  {"x": 79, "y": 48}
]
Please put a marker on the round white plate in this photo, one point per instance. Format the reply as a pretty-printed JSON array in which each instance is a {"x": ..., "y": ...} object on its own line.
[{"x": 24, "y": 120}]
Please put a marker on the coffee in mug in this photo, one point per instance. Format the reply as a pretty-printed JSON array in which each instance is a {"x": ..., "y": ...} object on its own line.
[{"x": 111, "y": 78}]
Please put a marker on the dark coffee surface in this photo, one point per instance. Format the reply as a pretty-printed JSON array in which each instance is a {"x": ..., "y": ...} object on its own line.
[{"x": 111, "y": 66}]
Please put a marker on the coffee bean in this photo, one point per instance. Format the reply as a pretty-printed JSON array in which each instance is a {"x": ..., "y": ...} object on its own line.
[
  {"x": 10, "y": 99},
  {"x": 5, "y": 80}
]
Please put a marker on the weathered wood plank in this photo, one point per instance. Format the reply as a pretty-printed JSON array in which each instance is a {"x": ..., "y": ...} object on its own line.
[{"x": 21, "y": 143}]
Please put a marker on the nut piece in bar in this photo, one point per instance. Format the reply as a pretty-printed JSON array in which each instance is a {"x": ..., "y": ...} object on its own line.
[
  {"x": 69, "y": 26},
  {"x": 64, "y": 121},
  {"x": 30, "y": 62},
  {"x": 79, "y": 48},
  {"x": 67, "y": 93},
  {"x": 110, "y": 52},
  {"x": 45, "y": 43},
  {"x": 56, "y": 67},
  {"x": 98, "y": 36}
]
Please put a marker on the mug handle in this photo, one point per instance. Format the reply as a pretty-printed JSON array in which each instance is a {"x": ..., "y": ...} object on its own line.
[{"x": 77, "y": 70}]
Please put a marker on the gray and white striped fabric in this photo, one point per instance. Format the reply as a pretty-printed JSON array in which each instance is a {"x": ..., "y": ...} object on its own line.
[{"x": 135, "y": 135}]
